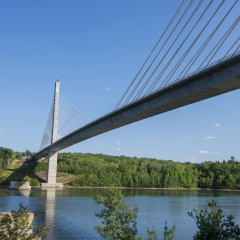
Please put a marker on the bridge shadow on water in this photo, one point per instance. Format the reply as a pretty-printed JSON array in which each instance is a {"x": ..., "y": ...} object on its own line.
[{"x": 26, "y": 169}]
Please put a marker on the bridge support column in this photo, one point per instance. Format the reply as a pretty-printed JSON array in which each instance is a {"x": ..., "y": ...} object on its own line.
[
  {"x": 52, "y": 170},
  {"x": 52, "y": 167}
]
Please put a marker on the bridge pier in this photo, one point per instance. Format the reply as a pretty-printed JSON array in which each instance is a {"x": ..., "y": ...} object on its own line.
[
  {"x": 52, "y": 154},
  {"x": 52, "y": 170}
]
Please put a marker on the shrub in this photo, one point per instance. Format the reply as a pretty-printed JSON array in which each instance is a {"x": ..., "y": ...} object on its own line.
[
  {"x": 34, "y": 182},
  {"x": 214, "y": 225},
  {"x": 16, "y": 226}
]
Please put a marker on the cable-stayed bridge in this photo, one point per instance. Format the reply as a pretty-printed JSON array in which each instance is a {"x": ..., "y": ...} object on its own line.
[{"x": 197, "y": 57}]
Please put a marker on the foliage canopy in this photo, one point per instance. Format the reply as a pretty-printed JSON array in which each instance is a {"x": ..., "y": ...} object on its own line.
[
  {"x": 119, "y": 219},
  {"x": 213, "y": 225}
]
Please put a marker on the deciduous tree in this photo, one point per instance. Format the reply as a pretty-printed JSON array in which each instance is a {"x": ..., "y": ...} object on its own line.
[
  {"x": 119, "y": 219},
  {"x": 213, "y": 225}
]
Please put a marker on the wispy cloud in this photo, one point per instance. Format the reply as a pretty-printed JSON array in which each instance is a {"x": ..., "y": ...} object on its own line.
[
  {"x": 108, "y": 89},
  {"x": 231, "y": 127},
  {"x": 217, "y": 125},
  {"x": 203, "y": 152},
  {"x": 209, "y": 137},
  {"x": 119, "y": 149},
  {"x": 2, "y": 129},
  {"x": 118, "y": 142},
  {"x": 216, "y": 152},
  {"x": 192, "y": 159}
]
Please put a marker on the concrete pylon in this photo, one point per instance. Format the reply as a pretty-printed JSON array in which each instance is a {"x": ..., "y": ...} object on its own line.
[
  {"x": 52, "y": 154},
  {"x": 55, "y": 112}
]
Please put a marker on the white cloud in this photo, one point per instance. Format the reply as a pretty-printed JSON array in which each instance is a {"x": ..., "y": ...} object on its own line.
[
  {"x": 118, "y": 142},
  {"x": 217, "y": 125},
  {"x": 231, "y": 127},
  {"x": 119, "y": 149},
  {"x": 2, "y": 129},
  {"x": 192, "y": 159},
  {"x": 216, "y": 152},
  {"x": 204, "y": 152},
  {"x": 108, "y": 88},
  {"x": 157, "y": 154},
  {"x": 209, "y": 137}
]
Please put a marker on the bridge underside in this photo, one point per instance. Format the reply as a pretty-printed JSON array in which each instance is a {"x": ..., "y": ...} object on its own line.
[{"x": 219, "y": 79}]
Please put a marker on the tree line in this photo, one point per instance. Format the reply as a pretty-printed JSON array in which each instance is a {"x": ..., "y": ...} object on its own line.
[{"x": 98, "y": 170}]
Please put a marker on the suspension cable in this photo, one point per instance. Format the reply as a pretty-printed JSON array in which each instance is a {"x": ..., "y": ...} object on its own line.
[
  {"x": 231, "y": 47},
  {"x": 169, "y": 62},
  {"x": 206, "y": 42},
  {"x": 143, "y": 87},
  {"x": 223, "y": 41},
  {"x": 179, "y": 21},
  {"x": 167, "y": 79},
  {"x": 175, "y": 15},
  {"x": 223, "y": 38}
]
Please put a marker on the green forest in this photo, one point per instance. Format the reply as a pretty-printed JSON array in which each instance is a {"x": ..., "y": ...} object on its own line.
[{"x": 99, "y": 170}]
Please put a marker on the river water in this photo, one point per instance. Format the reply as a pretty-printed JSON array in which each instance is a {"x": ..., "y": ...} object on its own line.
[{"x": 70, "y": 213}]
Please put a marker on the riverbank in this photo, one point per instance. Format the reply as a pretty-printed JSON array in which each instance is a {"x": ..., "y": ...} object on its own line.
[{"x": 131, "y": 188}]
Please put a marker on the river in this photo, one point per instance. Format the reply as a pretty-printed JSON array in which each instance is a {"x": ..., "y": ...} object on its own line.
[{"x": 70, "y": 213}]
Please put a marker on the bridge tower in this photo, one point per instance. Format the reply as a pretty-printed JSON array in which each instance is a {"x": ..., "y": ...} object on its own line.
[{"x": 52, "y": 154}]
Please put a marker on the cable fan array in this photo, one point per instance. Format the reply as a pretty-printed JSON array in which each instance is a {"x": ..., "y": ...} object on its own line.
[
  {"x": 68, "y": 120},
  {"x": 199, "y": 33}
]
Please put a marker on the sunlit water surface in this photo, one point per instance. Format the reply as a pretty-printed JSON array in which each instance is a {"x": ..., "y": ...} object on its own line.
[{"x": 70, "y": 213}]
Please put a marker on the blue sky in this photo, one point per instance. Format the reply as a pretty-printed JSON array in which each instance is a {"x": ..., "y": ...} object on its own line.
[{"x": 95, "y": 48}]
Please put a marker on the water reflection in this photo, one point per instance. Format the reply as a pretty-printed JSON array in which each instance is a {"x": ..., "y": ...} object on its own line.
[
  {"x": 50, "y": 196},
  {"x": 23, "y": 193}
]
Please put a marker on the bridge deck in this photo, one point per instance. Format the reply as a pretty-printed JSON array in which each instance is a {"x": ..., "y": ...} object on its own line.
[{"x": 218, "y": 79}]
